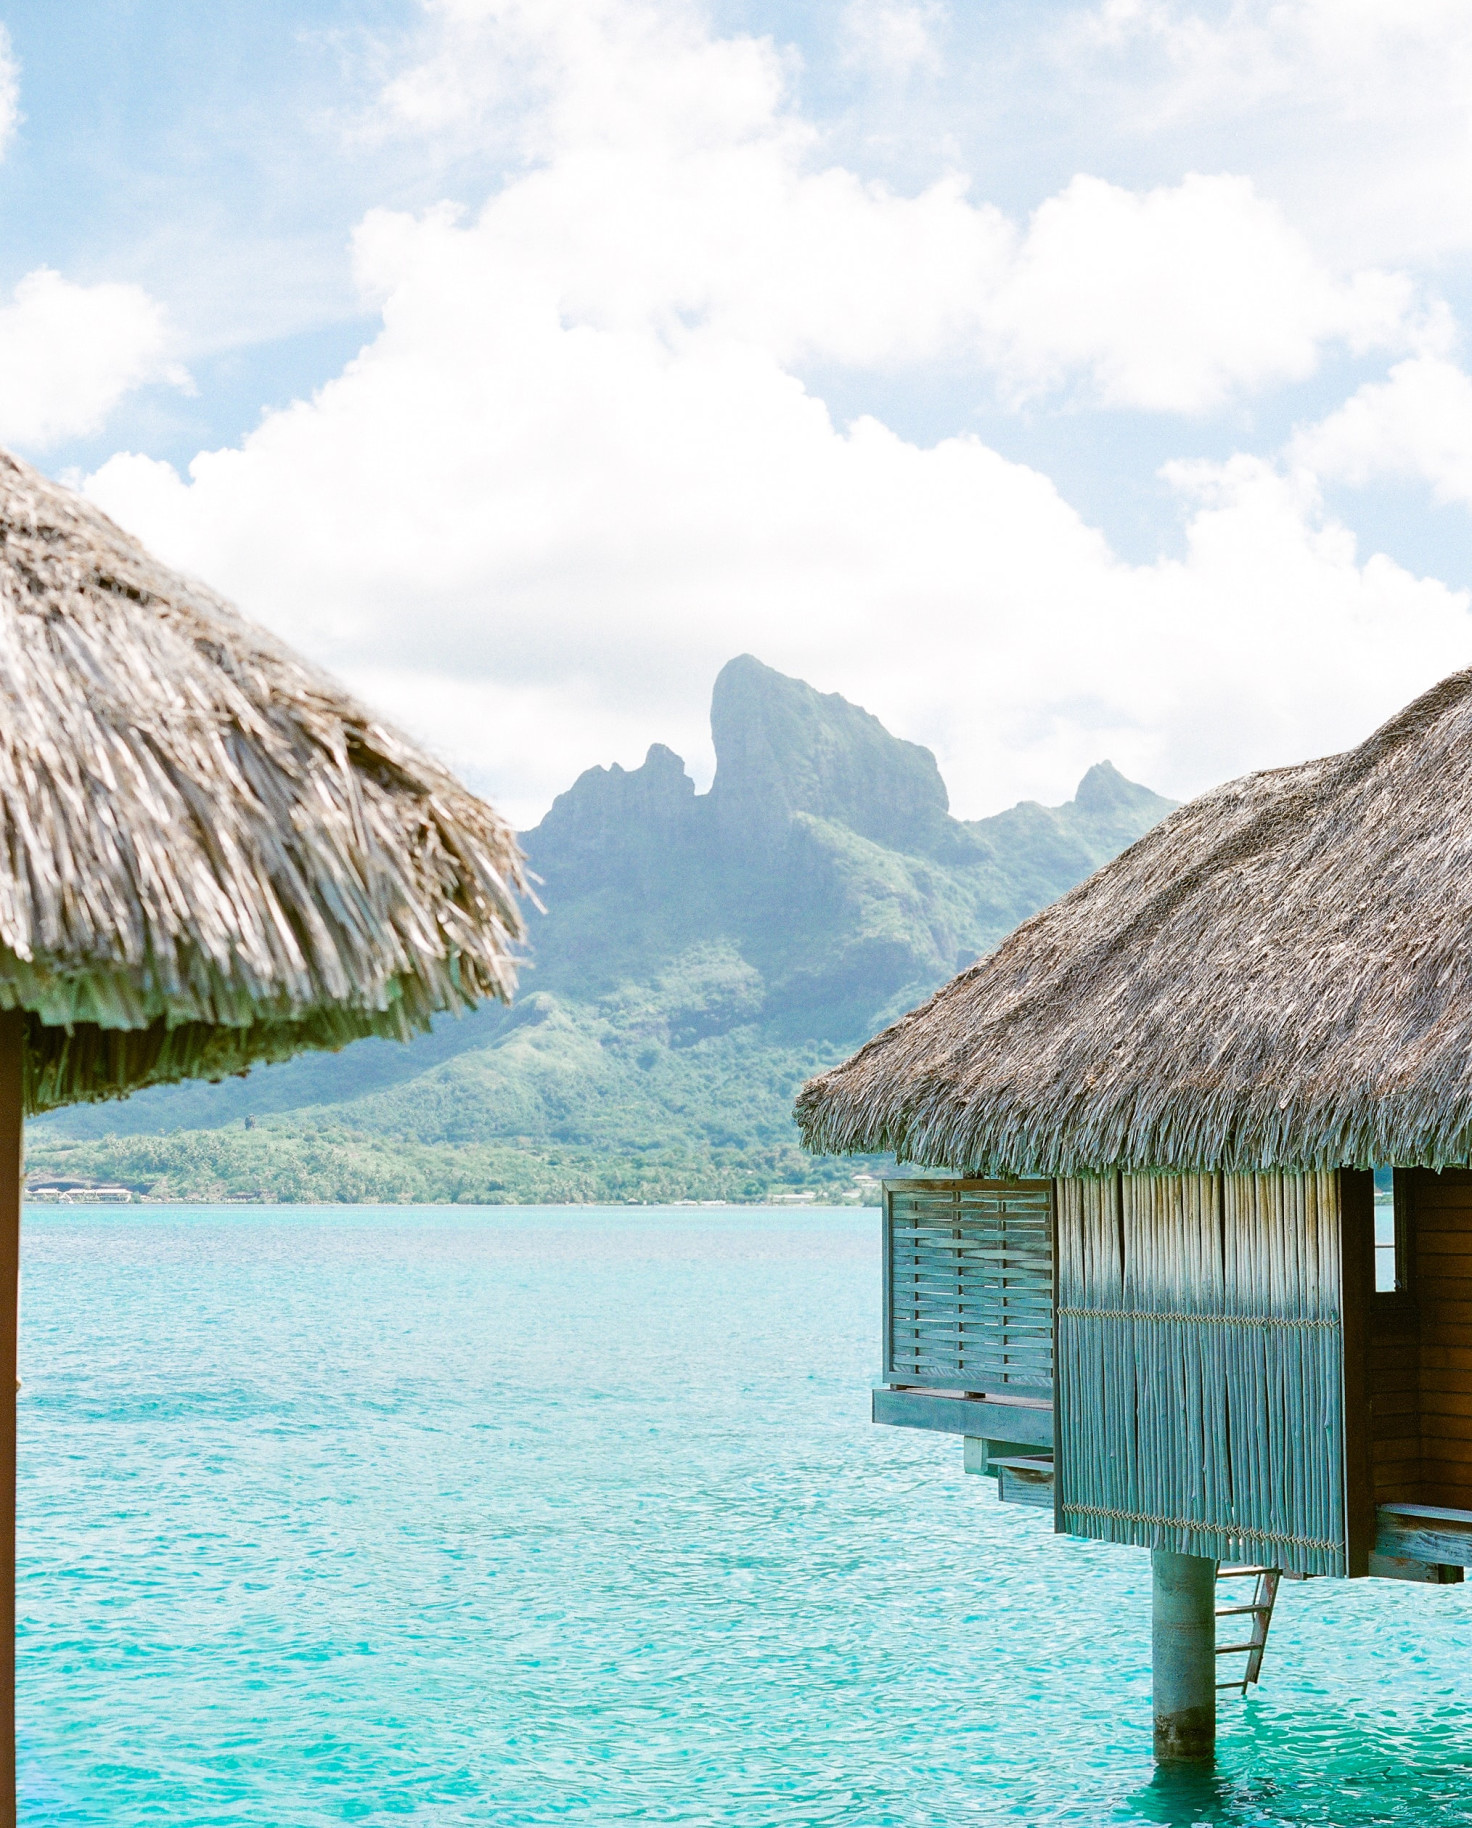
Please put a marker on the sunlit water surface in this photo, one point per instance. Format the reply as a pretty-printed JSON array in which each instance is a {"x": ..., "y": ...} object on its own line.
[{"x": 576, "y": 1516}]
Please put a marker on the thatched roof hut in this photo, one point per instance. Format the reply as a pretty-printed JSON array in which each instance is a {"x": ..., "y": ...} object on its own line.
[
  {"x": 212, "y": 854},
  {"x": 1278, "y": 975},
  {"x": 1200, "y": 1286}
]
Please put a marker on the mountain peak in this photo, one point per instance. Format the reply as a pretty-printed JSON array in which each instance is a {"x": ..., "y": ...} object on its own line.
[
  {"x": 1103, "y": 788},
  {"x": 616, "y": 816},
  {"x": 783, "y": 748},
  {"x": 1105, "y": 794}
]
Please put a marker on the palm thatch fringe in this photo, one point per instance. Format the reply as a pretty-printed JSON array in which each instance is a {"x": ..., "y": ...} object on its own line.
[
  {"x": 211, "y": 853},
  {"x": 1278, "y": 975}
]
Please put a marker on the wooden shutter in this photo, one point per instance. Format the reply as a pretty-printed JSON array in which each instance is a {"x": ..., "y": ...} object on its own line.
[{"x": 968, "y": 1286}]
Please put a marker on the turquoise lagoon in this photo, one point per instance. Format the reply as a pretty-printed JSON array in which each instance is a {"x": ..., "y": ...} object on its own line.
[{"x": 514, "y": 1516}]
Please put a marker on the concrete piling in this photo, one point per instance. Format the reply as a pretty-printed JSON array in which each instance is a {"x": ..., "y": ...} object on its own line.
[{"x": 1183, "y": 1657}]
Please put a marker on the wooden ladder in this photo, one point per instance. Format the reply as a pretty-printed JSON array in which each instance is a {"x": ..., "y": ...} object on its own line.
[{"x": 1260, "y": 1610}]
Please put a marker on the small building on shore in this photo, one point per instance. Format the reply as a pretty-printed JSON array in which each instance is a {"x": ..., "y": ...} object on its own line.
[{"x": 1197, "y": 1275}]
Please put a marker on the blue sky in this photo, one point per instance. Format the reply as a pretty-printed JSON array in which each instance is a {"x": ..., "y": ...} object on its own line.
[
  {"x": 196, "y": 151},
  {"x": 1058, "y": 380}
]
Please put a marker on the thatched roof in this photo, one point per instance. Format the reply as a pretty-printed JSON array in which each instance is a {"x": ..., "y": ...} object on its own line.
[
  {"x": 212, "y": 854},
  {"x": 1279, "y": 974}
]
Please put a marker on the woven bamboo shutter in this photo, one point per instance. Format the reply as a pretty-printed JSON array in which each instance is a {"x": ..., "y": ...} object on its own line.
[
  {"x": 969, "y": 1285},
  {"x": 1201, "y": 1365}
]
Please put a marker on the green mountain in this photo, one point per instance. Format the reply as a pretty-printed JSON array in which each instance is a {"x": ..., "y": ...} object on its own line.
[{"x": 700, "y": 955}]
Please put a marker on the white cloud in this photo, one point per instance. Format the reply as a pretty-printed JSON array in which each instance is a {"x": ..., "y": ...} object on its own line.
[
  {"x": 676, "y": 187},
  {"x": 1257, "y": 47},
  {"x": 10, "y": 114},
  {"x": 575, "y": 472},
  {"x": 1176, "y": 299},
  {"x": 1417, "y": 423},
  {"x": 553, "y": 75},
  {"x": 69, "y": 353},
  {"x": 1357, "y": 113},
  {"x": 536, "y": 543},
  {"x": 892, "y": 39}
]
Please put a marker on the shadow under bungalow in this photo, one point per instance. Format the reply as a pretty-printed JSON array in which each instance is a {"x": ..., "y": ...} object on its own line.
[{"x": 1204, "y": 1283}]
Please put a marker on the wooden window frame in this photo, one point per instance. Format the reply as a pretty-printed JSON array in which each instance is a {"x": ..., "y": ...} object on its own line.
[{"x": 1403, "y": 1294}]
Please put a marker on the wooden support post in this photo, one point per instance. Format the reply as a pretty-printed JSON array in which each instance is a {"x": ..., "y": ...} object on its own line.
[
  {"x": 12, "y": 1089},
  {"x": 1357, "y": 1291},
  {"x": 1183, "y": 1657}
]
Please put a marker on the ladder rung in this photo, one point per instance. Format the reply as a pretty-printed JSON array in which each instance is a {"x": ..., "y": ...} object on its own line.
[{"x": 1260, "y": 1611}]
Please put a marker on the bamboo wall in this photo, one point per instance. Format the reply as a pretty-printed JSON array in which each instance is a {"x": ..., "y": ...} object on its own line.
[{"x": 1200, "y": 1365}]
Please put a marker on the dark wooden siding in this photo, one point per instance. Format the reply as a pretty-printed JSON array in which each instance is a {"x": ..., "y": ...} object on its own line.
[
  {"x": 1441, "y": 1286},
  {"x": 969, "y": 1285},
  {"x": 1394, "y": 1384},
  {"x": 1200, "y": 1373}
]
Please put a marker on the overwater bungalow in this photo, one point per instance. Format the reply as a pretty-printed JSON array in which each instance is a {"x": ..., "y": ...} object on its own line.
[
  {"x": 212, "y": 856},
  {"x": 1198, "y": 1276}
]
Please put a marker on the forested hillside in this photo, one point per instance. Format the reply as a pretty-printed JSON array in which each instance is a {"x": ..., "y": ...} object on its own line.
[{"x": 700, "y": 955}]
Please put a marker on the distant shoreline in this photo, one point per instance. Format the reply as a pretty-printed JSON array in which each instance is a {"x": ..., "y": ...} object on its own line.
[{"x": 796, "y": 1205}]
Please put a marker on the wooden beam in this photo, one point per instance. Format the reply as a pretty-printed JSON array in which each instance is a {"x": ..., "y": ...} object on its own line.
[
  {"x": 1357, "y": 1286},
  {"x": 1060, "y": 1522},
  {"x": 12, "y": 1121},
  {"x": 1025, "y": 1485},
  {"x": 974, "y": 1415},
  {"x": 985, "y": 1456},
  {"x": 1424, "y": 1532},
  {"x": 1425, "y": 1573}
]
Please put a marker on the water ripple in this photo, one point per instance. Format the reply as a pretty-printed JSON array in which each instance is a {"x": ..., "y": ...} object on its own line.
[{"x": 511, "y": 1517}]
